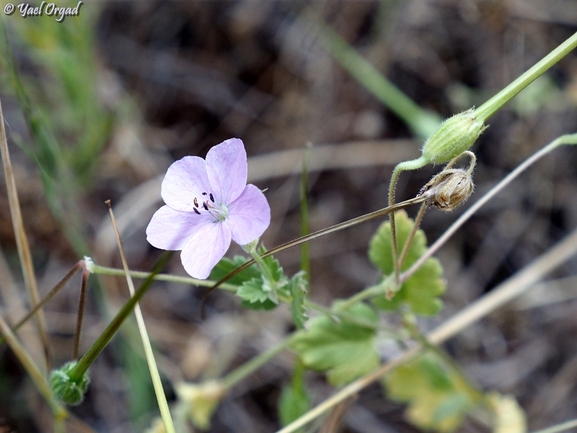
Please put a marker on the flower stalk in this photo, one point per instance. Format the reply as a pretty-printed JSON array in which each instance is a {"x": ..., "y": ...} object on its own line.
[{"x": 485, "y": 111}]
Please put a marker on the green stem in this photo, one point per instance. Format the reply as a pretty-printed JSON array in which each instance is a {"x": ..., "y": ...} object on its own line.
[
  {"x": 104, "y": 270},
  {"x": 77, "y": 373},
  {"x": 496, "y": 102},
  {"x": 409, "y": 241},
  {"x": 403, "y": 166},
  {"x": 421, "y": 122},
  {"x": 263, "y": 266},
  {"x": 254, "y": 364},
  {"x": 304, "y": 215},
  {"x": 367, "y": 293}
]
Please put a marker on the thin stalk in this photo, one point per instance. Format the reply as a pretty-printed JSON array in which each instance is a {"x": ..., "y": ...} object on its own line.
[
  {"x": 149, "y": 353},
  {"x": 403, "y": 166},
  {"x": 490, "y": 107},
  {"x": 86, "y": 361},
  {"x": 317, "y": 234},
  {"x": 48, "y": 297},
  {"x": 105, "y": 270},
  {"x": 254, "y": 364},
  {"x": 304, "y": 214},
  {"x": 273, "y": 294},
  {"x": 22, "y": 244},
  {"x": 409, "y": 241},
  {"x": 80, "y": 316},
  {"x": 563, "y": 140},
  {"x": 367, "y": 293}
]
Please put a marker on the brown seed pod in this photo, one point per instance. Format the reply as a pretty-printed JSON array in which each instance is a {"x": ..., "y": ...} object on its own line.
[{"x": 448, "y": 189}]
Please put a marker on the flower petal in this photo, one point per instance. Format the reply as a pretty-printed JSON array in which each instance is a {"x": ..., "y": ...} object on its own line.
[
  {"x": 185, "y": 179},
  {"x": 227, "y": 169},
  {"x": 204, "y": 249},
  {"x": 248, "y": 216},
  {"x": 170, "y": 229}
]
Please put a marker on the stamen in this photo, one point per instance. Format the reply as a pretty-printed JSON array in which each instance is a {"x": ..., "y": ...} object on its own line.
[
  {"x": 195, "y": 202},
  {"x": 211, "y": 198},
  {"x": 205, "y": 206},
  {"x": 196, "y": 210},
  {"x": 204, "y": 193}
]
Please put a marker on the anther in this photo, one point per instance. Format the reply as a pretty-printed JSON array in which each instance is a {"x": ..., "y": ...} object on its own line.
[
  {"x": 196, "y": 210},
  {"x": 205, "y": 206},
  {"x": 195, "y": 202},
  {"x": 211, "y": 197}
]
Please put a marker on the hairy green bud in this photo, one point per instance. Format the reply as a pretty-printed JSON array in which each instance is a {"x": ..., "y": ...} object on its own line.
[
  {"x": 454, "y": 136},
  {"x": 66, "y": 389}
]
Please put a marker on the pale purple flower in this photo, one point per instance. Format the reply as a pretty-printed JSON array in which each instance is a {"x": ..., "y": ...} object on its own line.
[{"x": 208, "y": 203}]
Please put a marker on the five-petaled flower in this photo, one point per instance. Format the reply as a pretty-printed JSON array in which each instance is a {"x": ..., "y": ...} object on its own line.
[{"x": 208, "y": 203}]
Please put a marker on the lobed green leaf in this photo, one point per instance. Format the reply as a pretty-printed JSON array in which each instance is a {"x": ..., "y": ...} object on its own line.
[
  {"x": 342, "y": 349},
  {"x": 422, "y": 290}
]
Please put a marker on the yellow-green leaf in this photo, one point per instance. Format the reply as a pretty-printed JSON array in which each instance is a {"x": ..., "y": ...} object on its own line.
[{"x": 437, "y": 396}]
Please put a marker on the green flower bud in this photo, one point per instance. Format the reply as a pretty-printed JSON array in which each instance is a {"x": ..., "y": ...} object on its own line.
[
  {"x": 66, "y": 389},
  {"x": 453, "y": 137}
]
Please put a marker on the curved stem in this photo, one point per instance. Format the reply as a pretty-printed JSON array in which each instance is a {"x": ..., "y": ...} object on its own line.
[
  {"x": 564, "y": 139},
  {"x": 403, "y": 166}
]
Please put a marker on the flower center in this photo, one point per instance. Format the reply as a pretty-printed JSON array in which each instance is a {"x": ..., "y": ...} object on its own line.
[{"x": 218, "y": 211}]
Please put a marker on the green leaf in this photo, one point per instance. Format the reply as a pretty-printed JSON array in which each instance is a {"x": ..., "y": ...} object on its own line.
[
  {"x": 422, "y": 290},
  {"x": 254, "y": 297},
  {"x": 343, "y": 349},
  {"x": 295, "y": 399},
  {"x": 226, "y": 265},
  {"x": 437, "y": 395},
  {"x": 275, "y": 268},
  {"x": 298, "y": 291}
]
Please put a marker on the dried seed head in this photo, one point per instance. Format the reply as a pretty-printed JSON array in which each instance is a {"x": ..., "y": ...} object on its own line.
[{"x": 448, "y": 189}]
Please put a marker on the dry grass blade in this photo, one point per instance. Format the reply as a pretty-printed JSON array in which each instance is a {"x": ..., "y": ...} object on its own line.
[
  {"x": 33, "y": 371},
  {"x": 22, "y": 240}
]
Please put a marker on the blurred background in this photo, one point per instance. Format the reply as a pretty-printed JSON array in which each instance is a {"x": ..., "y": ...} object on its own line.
[{"x": 97, "y": 107}]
